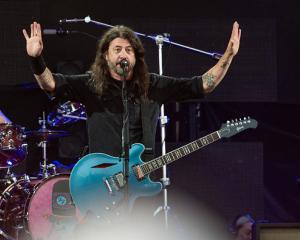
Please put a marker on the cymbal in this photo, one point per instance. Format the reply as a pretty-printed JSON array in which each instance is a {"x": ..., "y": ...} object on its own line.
[{"x": 46, "y": 134}]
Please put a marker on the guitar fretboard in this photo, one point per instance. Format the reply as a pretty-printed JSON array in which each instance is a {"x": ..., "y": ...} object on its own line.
[{"x": 178, "y": 153}]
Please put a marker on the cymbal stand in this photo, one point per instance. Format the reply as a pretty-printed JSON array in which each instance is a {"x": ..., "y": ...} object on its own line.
[{"x": 44, "y": 173}]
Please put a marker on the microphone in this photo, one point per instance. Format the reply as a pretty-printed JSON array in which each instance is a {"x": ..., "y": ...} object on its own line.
[
  {"x": 59, "y": 32},
  {"x": 87, "y": 19},
  {"x": 124, "y": 63}
]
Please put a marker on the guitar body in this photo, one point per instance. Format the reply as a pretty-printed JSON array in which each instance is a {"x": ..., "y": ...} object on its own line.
[{"x": 94, "y": 186}]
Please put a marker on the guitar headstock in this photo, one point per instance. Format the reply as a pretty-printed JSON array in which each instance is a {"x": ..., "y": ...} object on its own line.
[{"x": 233, "y": 127}]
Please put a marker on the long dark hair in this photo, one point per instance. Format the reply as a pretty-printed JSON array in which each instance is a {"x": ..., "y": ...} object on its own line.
[{"x": 100, "y": 70}]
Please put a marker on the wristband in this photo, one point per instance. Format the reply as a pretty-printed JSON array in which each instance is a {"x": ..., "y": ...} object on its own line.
[{"x": 38, "y": 65}]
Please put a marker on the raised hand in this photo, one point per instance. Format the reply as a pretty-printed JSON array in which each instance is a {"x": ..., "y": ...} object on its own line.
[
  {"x": 34, "y": 43},
  {"x": 234, "y": 42}
]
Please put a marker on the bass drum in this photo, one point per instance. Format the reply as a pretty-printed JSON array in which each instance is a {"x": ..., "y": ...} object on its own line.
[
  {"x": 38, "y": 209},
  {"x": 50, "y": 212}
]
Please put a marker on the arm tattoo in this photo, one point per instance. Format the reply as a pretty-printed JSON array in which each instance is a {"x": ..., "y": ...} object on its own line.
[
  {"x": 208, "y": 79},
  {"x": 225, "y": 64}
]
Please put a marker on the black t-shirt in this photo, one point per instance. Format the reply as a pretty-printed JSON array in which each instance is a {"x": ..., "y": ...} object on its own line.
[{"x": 104, "y": 113}]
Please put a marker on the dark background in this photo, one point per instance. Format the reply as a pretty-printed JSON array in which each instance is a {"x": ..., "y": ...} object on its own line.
[{"x": 255, "y": 171}]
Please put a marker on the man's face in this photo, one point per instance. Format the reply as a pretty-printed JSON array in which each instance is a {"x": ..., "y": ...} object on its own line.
[{"x": 118, "y": 50}]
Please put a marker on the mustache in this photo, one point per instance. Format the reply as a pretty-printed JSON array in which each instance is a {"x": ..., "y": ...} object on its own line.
[{"x": 123, "y": 62}]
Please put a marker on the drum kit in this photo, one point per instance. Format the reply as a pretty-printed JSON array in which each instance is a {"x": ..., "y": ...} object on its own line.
[{"x": 36, "y": 207}]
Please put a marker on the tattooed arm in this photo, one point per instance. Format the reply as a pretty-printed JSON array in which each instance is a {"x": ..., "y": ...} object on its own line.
[
  {"x": 214, "y": 76},
  {"x": 46, "y": 80}
]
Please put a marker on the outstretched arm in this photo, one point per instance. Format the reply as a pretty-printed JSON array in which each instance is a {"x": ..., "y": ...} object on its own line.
[
  {"x": 214, "y": 76},
  {"x": 34, "y": 47}
]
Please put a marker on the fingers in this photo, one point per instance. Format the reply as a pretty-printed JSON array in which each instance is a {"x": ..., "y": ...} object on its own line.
[
  {"x": 31, "y": 30},
  {"x": 39, "y": 31},
  {"x": 236, "y": 32},
  {"x": 35, "y": 30},
  {"x": 25, "y": 34}
]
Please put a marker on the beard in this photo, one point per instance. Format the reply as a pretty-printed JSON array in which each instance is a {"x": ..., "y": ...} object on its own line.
[{"x": 117, "y": 68}]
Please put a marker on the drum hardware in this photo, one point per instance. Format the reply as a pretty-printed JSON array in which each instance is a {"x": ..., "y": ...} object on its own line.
[
  {"x": 43, "y": 136},
  {"x": 12, "y": 208},
  {"x": 12, "y": 148},
  {"x": 68, "y": 112},
  {"x": 9, "y": 177},
  {"x": 21, "y": 197},
  {"x": 5, "y": 235}
]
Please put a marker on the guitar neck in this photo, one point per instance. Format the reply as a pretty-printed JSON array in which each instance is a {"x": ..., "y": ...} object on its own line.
[{"x": 178, "y": 153}]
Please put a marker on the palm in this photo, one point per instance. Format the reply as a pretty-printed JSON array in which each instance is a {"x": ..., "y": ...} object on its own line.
[{"x": 34, "y": 46}]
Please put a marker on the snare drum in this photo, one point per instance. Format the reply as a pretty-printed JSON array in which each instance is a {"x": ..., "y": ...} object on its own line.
[{"x": 12, "y": 149}]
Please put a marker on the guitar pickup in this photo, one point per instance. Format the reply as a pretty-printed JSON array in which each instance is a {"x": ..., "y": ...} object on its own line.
[
  {"x": 115, "y": 182},
  {"x": 119, "y": 180},
  {"x": 138, "y": 172}
]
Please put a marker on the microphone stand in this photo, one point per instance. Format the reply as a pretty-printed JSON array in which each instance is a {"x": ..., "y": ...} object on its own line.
[
  {"x": 159, "y": 39},
  {"x": 125, "y": 137},
  {"x": 88, "y": 19},
  {"x": 163, "y": 121}
]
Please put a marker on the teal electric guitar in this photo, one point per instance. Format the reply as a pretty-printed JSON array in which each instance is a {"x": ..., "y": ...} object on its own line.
[{"x": 97, "y": 182}]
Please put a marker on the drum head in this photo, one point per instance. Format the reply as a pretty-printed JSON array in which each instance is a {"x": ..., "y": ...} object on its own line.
[{"x": 51, "y": 213}]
